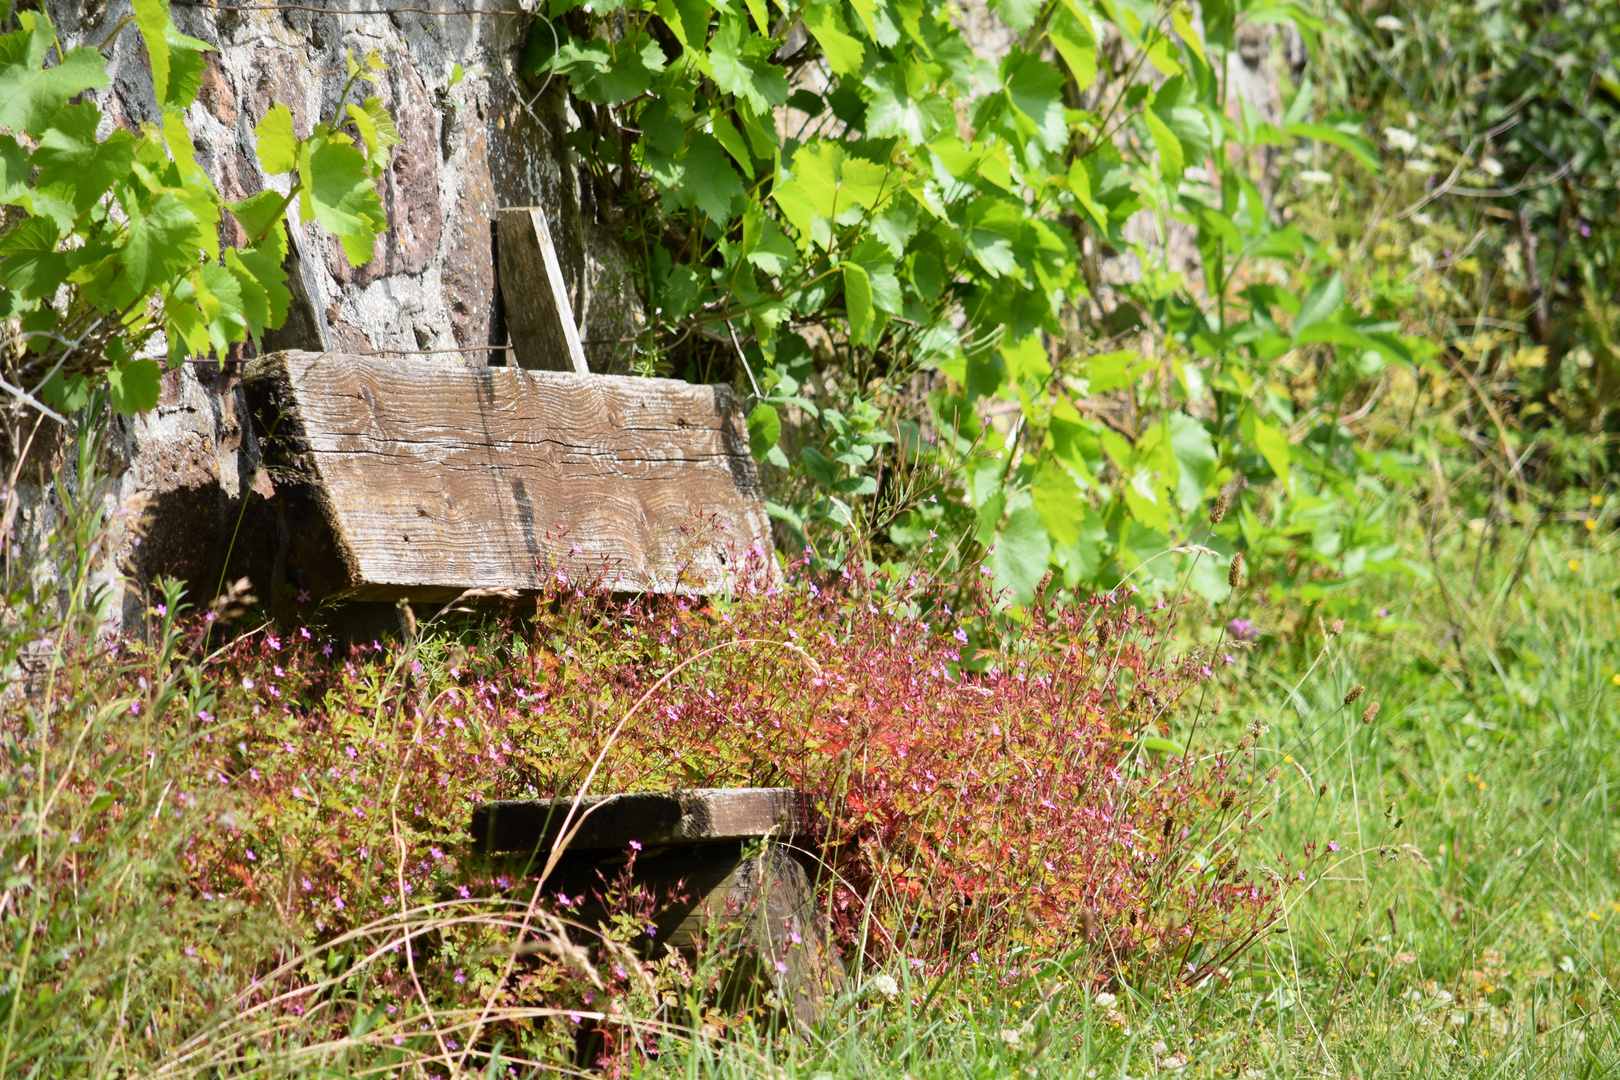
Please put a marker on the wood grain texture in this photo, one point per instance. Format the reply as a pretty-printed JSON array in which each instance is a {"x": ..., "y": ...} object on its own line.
[
  {"x": 651, "y": 818},
  {"x": 539, "y": 314},
  {"x": 403, "y": 478}
]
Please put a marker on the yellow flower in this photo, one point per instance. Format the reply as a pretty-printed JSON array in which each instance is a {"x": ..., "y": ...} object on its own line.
[
  {"x": 1574, "y": 565},
  {"x": 1597, "y": 500},
  {"x": 1591, "y": 524},
  {"x": 1617, "y": 680}
]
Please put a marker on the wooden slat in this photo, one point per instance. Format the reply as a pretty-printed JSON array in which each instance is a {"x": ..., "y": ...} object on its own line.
[
  {"x": 652, "y": 819},
  {"x": 539, "y": 315},
  {"x": 404, "y": 478}
]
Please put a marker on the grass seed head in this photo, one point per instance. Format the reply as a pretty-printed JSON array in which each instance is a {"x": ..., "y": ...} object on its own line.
[
  {"x": 1355, "y": 692},
  {"x": 1370, "y": 713},
  {"x": 1223, "y": 501},
  {"x": 1234, "y": 573}
]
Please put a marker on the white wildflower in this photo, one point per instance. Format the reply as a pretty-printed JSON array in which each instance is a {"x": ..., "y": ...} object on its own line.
[
  {"x": 1390, "y": 23},
  {"x": 1105, "y": 999},
  {"x": 882, "y": 986},
  {"x": 1316, "y": 176},
  {"x": 1400, "y": 139}
]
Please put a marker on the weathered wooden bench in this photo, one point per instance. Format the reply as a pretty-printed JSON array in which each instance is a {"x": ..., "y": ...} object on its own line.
[{"x": 726, "y": 861}]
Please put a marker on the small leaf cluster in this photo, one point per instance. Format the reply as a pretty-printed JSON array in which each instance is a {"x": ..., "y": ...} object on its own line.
[{"x": 110, "y": 247}]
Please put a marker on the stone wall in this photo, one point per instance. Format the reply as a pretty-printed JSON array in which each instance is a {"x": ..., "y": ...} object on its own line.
[{"x": 188, "y": 469}]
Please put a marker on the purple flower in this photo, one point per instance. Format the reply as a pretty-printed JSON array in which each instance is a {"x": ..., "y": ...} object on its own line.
[
  {"x": 1333, "y": 845},
  {"x": 461, "y": 976},
  {"x": 163, "y": 609},
  {"x": 635, "y": 845},
  {"x": 1242, "y": 630}
]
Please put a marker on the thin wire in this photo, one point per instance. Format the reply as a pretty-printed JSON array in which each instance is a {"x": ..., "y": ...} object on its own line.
[
  {"x": 336, "y": 11},
  {"x": 375, "y": 352}
]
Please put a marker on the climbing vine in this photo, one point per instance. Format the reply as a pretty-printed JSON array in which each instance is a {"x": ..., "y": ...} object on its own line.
[{"x": 853, "y": 176}]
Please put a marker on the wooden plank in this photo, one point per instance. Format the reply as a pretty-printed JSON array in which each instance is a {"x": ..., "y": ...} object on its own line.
[
  {"x": 652, "y": 819},
  {"x": 539, "y": 315},
  {"x": 400, "y": 478}
]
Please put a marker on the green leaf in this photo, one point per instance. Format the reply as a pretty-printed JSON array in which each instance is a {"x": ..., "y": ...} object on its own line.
[
  {"x": 894, "y": 111},
  {"x": 1195, "y": 456},
  {"x": 1182, "y": 24},
  {"x": 376, "y": 127},
  {"x": 1035, "y": 89},
  {"x": 1074, "y": 42},
  {"x": 1021, "y": 552},
  {"x": 257, "y": 213},
  {"x": 134, "y": 386},
  {"x": 1143, "y": 549},
  {"x": 627, "y": 71},
  {"x": 152, "y": 16},
  {"x": 744, "y": 73},
  {"x": 1323, "y": 303},
  {"x": 1357, "y": 146},
  {"x": 711, "y": 183},
  {"x": 1074, "y": 443},
  {"x": 342, "y": 196},
  {"x": 1171, "y": 162},
  {"x": 857, "y": 300},
  {"x": 15, "y": 170},
  {"x": 1272, "y": 444},
  {"x": 277, "y": 146},
  {"x": 30, "y": 265},
  {"x": 1061, "y": 504},
  {"x": 826, "y": 181},
  {"x": 30, "y": 93},
  {"x": 764, "y": 428},
  {"x": 69, "y": 155},
  {"x": 773, "y": 252},
  {"x": 1018, "y": 14},
  {"x": 1162, "y": 745},
  {"x": 726, "y": 132},
  {"x": 826, "y": 24}
]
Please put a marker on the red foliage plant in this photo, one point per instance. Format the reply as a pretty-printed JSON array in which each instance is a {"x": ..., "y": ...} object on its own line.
[{"x": 973, "y": 800}]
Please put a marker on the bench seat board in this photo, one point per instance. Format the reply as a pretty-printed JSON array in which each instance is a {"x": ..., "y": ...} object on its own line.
[
  {"x": 651, "y": 818},
  {"x": 400, "y": 478}
]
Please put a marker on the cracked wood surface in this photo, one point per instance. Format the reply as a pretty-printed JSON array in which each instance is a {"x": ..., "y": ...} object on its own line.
[{"x": 403, "y": 478}]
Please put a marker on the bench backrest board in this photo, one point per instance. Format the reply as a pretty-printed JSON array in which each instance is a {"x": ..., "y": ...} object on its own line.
[{"x": 406, "y": 478}]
